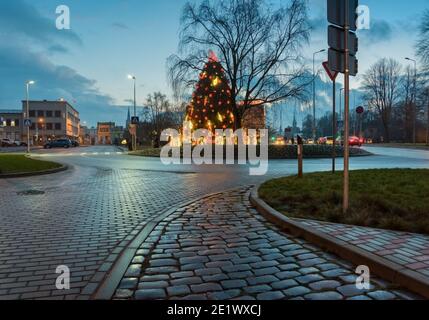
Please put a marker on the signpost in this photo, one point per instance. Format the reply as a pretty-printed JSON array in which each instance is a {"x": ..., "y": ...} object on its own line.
[
  {"x": 333, "y": 76},
  {"x": 27, "y": 123},
  {"x": 343, "y": 14}
]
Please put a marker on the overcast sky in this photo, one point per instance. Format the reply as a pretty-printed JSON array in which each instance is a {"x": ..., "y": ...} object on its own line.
[{"x": 88, "y": 64}]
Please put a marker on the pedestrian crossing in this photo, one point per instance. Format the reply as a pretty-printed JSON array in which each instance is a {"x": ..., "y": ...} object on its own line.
[{"x": 78, "y": 154}]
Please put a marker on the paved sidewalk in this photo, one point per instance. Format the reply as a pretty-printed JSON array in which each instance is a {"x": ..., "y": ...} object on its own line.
[
  {"x": 221, "y": 248},
  {"x": 409, "y": 250}
]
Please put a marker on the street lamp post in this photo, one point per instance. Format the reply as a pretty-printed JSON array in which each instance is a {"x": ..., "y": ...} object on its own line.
[
  {"x": 27, "y": 115},
  {"x": 414, "y": 102},
  {"x": 314, "y": 93},
  {"x": 134, "y": 136}
]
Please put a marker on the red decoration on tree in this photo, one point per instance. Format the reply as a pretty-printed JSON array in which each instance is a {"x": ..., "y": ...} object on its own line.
[{"x": 213, "y": 90}]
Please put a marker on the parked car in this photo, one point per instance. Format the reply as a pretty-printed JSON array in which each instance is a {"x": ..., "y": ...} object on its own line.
[
  {"x": 20, "y": 143},
  {"x": 60, "y": 143},
  {"x": 75, "y": 144},
  {"x": 7, "y": 143}
]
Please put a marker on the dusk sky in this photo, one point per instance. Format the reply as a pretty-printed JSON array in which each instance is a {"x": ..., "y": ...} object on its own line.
[{"x": 109, "y": 39}]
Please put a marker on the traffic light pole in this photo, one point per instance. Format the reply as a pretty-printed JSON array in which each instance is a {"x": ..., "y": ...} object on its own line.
[{"x": 346, "y": 182}]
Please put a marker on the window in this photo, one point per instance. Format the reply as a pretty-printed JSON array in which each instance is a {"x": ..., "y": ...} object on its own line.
[
  {"x": 7, "y": 122},
  {"x": 49, "y": 126},
  {"x": 57, "y": 114},
  {"x": 49, "y": 114},
  {"x": 58, "y": 126},
  {"x": 32, "y": 113},
  {"x": 40, "y": 126},
  {"x": 40, "y": 113},
  {"x": 17, "y": 122},
  {"x": 12, "y": 123},
  {"x": 33, "y": 126}
]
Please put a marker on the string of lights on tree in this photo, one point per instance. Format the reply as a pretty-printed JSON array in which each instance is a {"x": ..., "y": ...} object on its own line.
[{"x": 211, "y": 104}]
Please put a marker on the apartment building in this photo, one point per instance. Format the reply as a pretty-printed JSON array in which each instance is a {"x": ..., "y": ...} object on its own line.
[
  {"x": 51, "y": 120},
  {"x": 11, "y": 125}
]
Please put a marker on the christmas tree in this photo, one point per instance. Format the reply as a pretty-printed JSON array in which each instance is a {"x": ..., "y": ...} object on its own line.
[{"x": 211, "y": 104}]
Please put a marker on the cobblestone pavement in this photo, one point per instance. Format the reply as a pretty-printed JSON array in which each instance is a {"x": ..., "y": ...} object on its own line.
[
  {"x": 411, "y": 251},
  {"x": 221, "y": 248},
  {"x": 83, "y": 219}
]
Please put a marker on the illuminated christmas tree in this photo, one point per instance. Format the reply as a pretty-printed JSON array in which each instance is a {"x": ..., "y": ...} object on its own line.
[{"x": 211, "y": 104}]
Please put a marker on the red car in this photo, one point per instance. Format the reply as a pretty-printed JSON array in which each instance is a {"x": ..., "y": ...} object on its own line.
[{"x": 356, "y": 141}]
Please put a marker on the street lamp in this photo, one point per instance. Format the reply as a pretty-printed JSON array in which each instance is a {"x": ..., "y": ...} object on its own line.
[
  {"x": 27, "y": 115},
  {"x": 134, "y": 136},
  {"x": 131, "y": 77},
  {"x": 314, "y": 93},
  {"x": 414, "y": 98}
]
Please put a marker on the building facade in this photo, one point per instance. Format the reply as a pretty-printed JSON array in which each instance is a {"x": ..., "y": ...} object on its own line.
[
  {"x": 51, "y": 120},
  {"x": 11, "y": 125},
  {"x": 104, "y": 132}
]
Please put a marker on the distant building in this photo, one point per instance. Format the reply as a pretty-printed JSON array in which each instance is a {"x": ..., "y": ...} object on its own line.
[
  {"x": 51, "y": 120},
  {"x": 11, "y": 125},
  {"x": 104, "y": 132},
  {"x": 117, "y": 135}
]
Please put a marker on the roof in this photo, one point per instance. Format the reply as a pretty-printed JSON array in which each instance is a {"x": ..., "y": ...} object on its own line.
[{"x": 10, "y": 111}]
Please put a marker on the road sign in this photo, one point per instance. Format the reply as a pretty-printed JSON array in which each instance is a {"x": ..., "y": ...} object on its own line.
[
  {"x": 27, "y": 122},
  {"x": 331, "y": 74},
  {"x": 360, "y": 110},
  {"x": 135, "y": 120},
  {"x": 336, "y": 62},
  {"x": 336, "y": 15},
  {"x": 336, "y": 40},
  {"x": 133, "y": 129}
]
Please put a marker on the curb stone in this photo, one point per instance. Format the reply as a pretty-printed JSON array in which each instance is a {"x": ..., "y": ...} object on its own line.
[{"x": 388, "y": 270}]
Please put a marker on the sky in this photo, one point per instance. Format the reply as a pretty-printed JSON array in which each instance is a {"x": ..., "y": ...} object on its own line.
[{"x": 88, "y": 64}]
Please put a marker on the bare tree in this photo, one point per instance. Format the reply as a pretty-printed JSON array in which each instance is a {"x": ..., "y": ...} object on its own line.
[
  {"x": 423, "y": 41},
  {"x": 158, "y": 115},
  {"x": 258, "y": 45},
  {"x": 407, "y": 110},
  {"x": 381, "y": 85}
]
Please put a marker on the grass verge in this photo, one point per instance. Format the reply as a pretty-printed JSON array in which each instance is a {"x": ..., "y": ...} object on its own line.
[
  {"x": 395, "y": 199},
  {"x": 15, "y": 164}
]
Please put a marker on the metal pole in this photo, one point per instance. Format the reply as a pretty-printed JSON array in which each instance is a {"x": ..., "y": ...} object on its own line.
[
  {"x": 427, "y": 124},
  {"x": 28, "y": 117},
  {"x": 414, "y": 101},
  {"x": 135, "y": 103},
  {"x": 314, "y": 99},
  {"x": 346, "y": 201},
  {"x": 334, "y": 125}
]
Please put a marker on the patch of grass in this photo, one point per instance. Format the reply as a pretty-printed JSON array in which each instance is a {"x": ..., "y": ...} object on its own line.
[
  {"x": 10, "y": 164},
  {"x": 395, "y": 199}
]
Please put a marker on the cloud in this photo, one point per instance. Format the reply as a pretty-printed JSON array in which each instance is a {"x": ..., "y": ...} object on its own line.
[
  {"x": 27, "y": 42},
  {"x": 120, "y": 25},
  {"x": 22, "y": 20},
  {"x": 380, "y": 31}
]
